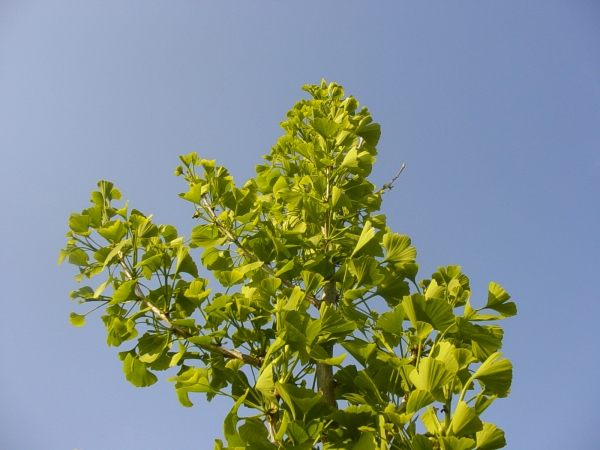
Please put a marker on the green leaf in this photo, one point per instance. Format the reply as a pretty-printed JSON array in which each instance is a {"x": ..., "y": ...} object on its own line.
[
  {"x": 270, "y": 286},
  {"x": 255, "y": 434},
  {"x": 445, "y": 352},
  {"x": 78, "y": 257},
  {"x": 286, "y": 268},
  {"x": 423, "y": 330},
  {"x": 126, "y": 291},
  {"x": 143, "y": 226},
  {"x": 392, "y": 321},
  {"x": 136, "y": 372},
  {"x": 230, "y": 425},
  {"x": 369, "y": 131},
  {"x": 490, "y": 437},
  {"x": 333, "y": 324},
  {"x": 366, "y": 270},
  {"x": 113, "y": 231},
  {"x": 398, "y": 249},
  {"x": 151, "y": 346},
  {"x": 453, "y": 443},
  {"x": 325, "y": 127},
  {"x": 418, "y": 399},
  {"x": 195, "y": 193},
  {"x": 485, "y": 340},
  {"x": 339, "y": 199},
  {"x": 366, "y": 442},
  {"x": 294, "y": 298},
  {"x": 496, "y": 374},
  {"x": 194, "y": 379},
  {"x": 119, "y": 329},
  {"x": 115, "y": 251},
  {"x": 80, "y": 224},
  {"x": 465, "y": 421},
  {"x": 228, "y": 277},
  {"x": 351, "y": 159},
  {"x": 359, "y": 349},
  {"x": 197, "y": 291},
  {"x": 482, "y": 402},
  {"x": 280, "y": 184},
  {"x": 431, "y": 375},
  {"x": 100, "y": 289},
  {"x": 431, "y": 422},
  {"x": 250, "y": 267},
  {"x": 312, "y": 281},
  {"x": 436, "y": 312},
  {"x": 207, "y": 236},
  {"x": 265, "y": 382},
  {"x": 297, "y": 433},
  {"x": 320, "y": 355},
  {"x": 420, "y": 442},
  {"x": 298, "y": 397},
  {"x": 177, "y": 356},
  {"x": 497, "y": 300},
  {"x": 367, "y": 233},
  {"x": 77, "y": 320}
]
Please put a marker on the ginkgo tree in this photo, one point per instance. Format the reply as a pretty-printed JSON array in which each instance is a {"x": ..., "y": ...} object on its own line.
[{"x": 315, "y": 323}]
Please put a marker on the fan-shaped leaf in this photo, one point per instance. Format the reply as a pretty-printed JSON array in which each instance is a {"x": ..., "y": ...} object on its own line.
[
  {"x": 367, "y": 233},
  {"x": 398, "y": 249},
  {"x": 490, "y": 437},
  {"x": 418, "y": 399},
  {"x": 496, "y": 374},
  {"x": 465, "y": 420},
  {"x": 431, "y": 375}
]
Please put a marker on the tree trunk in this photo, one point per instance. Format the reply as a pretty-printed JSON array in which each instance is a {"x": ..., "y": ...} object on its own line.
[{"x": 324, "y": 373}]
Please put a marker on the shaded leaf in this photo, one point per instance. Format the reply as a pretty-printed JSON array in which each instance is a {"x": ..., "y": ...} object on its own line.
[{"x": 490, "y": 437}]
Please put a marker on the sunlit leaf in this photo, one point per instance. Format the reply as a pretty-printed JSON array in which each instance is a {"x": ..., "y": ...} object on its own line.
[
  {"x": 367, "y": 233},
  {"x": 398, "y": 249},
  {"x": 418, "y": 399},
  {"x": 498, "y": 301},
  {"x": 77, "y": 320},
  {"x": 136, "y": 372},
  {"x": 465, "y": 421},
  {"x": 496, "y": 374},
  {"x": 431, "y": 375}
]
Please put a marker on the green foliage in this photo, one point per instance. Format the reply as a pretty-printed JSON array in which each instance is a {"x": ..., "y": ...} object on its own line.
[{"x": 292, "y": 334}]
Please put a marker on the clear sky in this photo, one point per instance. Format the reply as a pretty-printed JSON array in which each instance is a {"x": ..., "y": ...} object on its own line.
[{"x": 494, "y": 107}]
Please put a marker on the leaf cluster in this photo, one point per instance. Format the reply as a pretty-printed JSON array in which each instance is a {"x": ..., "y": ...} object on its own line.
[{"x": 293, "y": 335}]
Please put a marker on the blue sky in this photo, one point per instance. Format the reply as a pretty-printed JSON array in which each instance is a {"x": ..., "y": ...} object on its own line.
[{"x": 493, "y": 106}]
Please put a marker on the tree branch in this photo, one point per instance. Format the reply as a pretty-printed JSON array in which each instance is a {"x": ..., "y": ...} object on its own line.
[
  {"x": 390, "y": 185},
  {"x": 324, "y": 372},
  {"x": 227, "y": 353}
]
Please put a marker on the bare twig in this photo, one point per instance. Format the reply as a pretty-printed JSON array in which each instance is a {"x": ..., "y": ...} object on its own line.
[
  {"x": 361, "y": 141},
  {"x": 390, "y": 185}
]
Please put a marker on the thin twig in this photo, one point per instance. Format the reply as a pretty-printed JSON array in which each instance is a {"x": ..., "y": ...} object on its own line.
[{"x": 390, "y": 185}]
